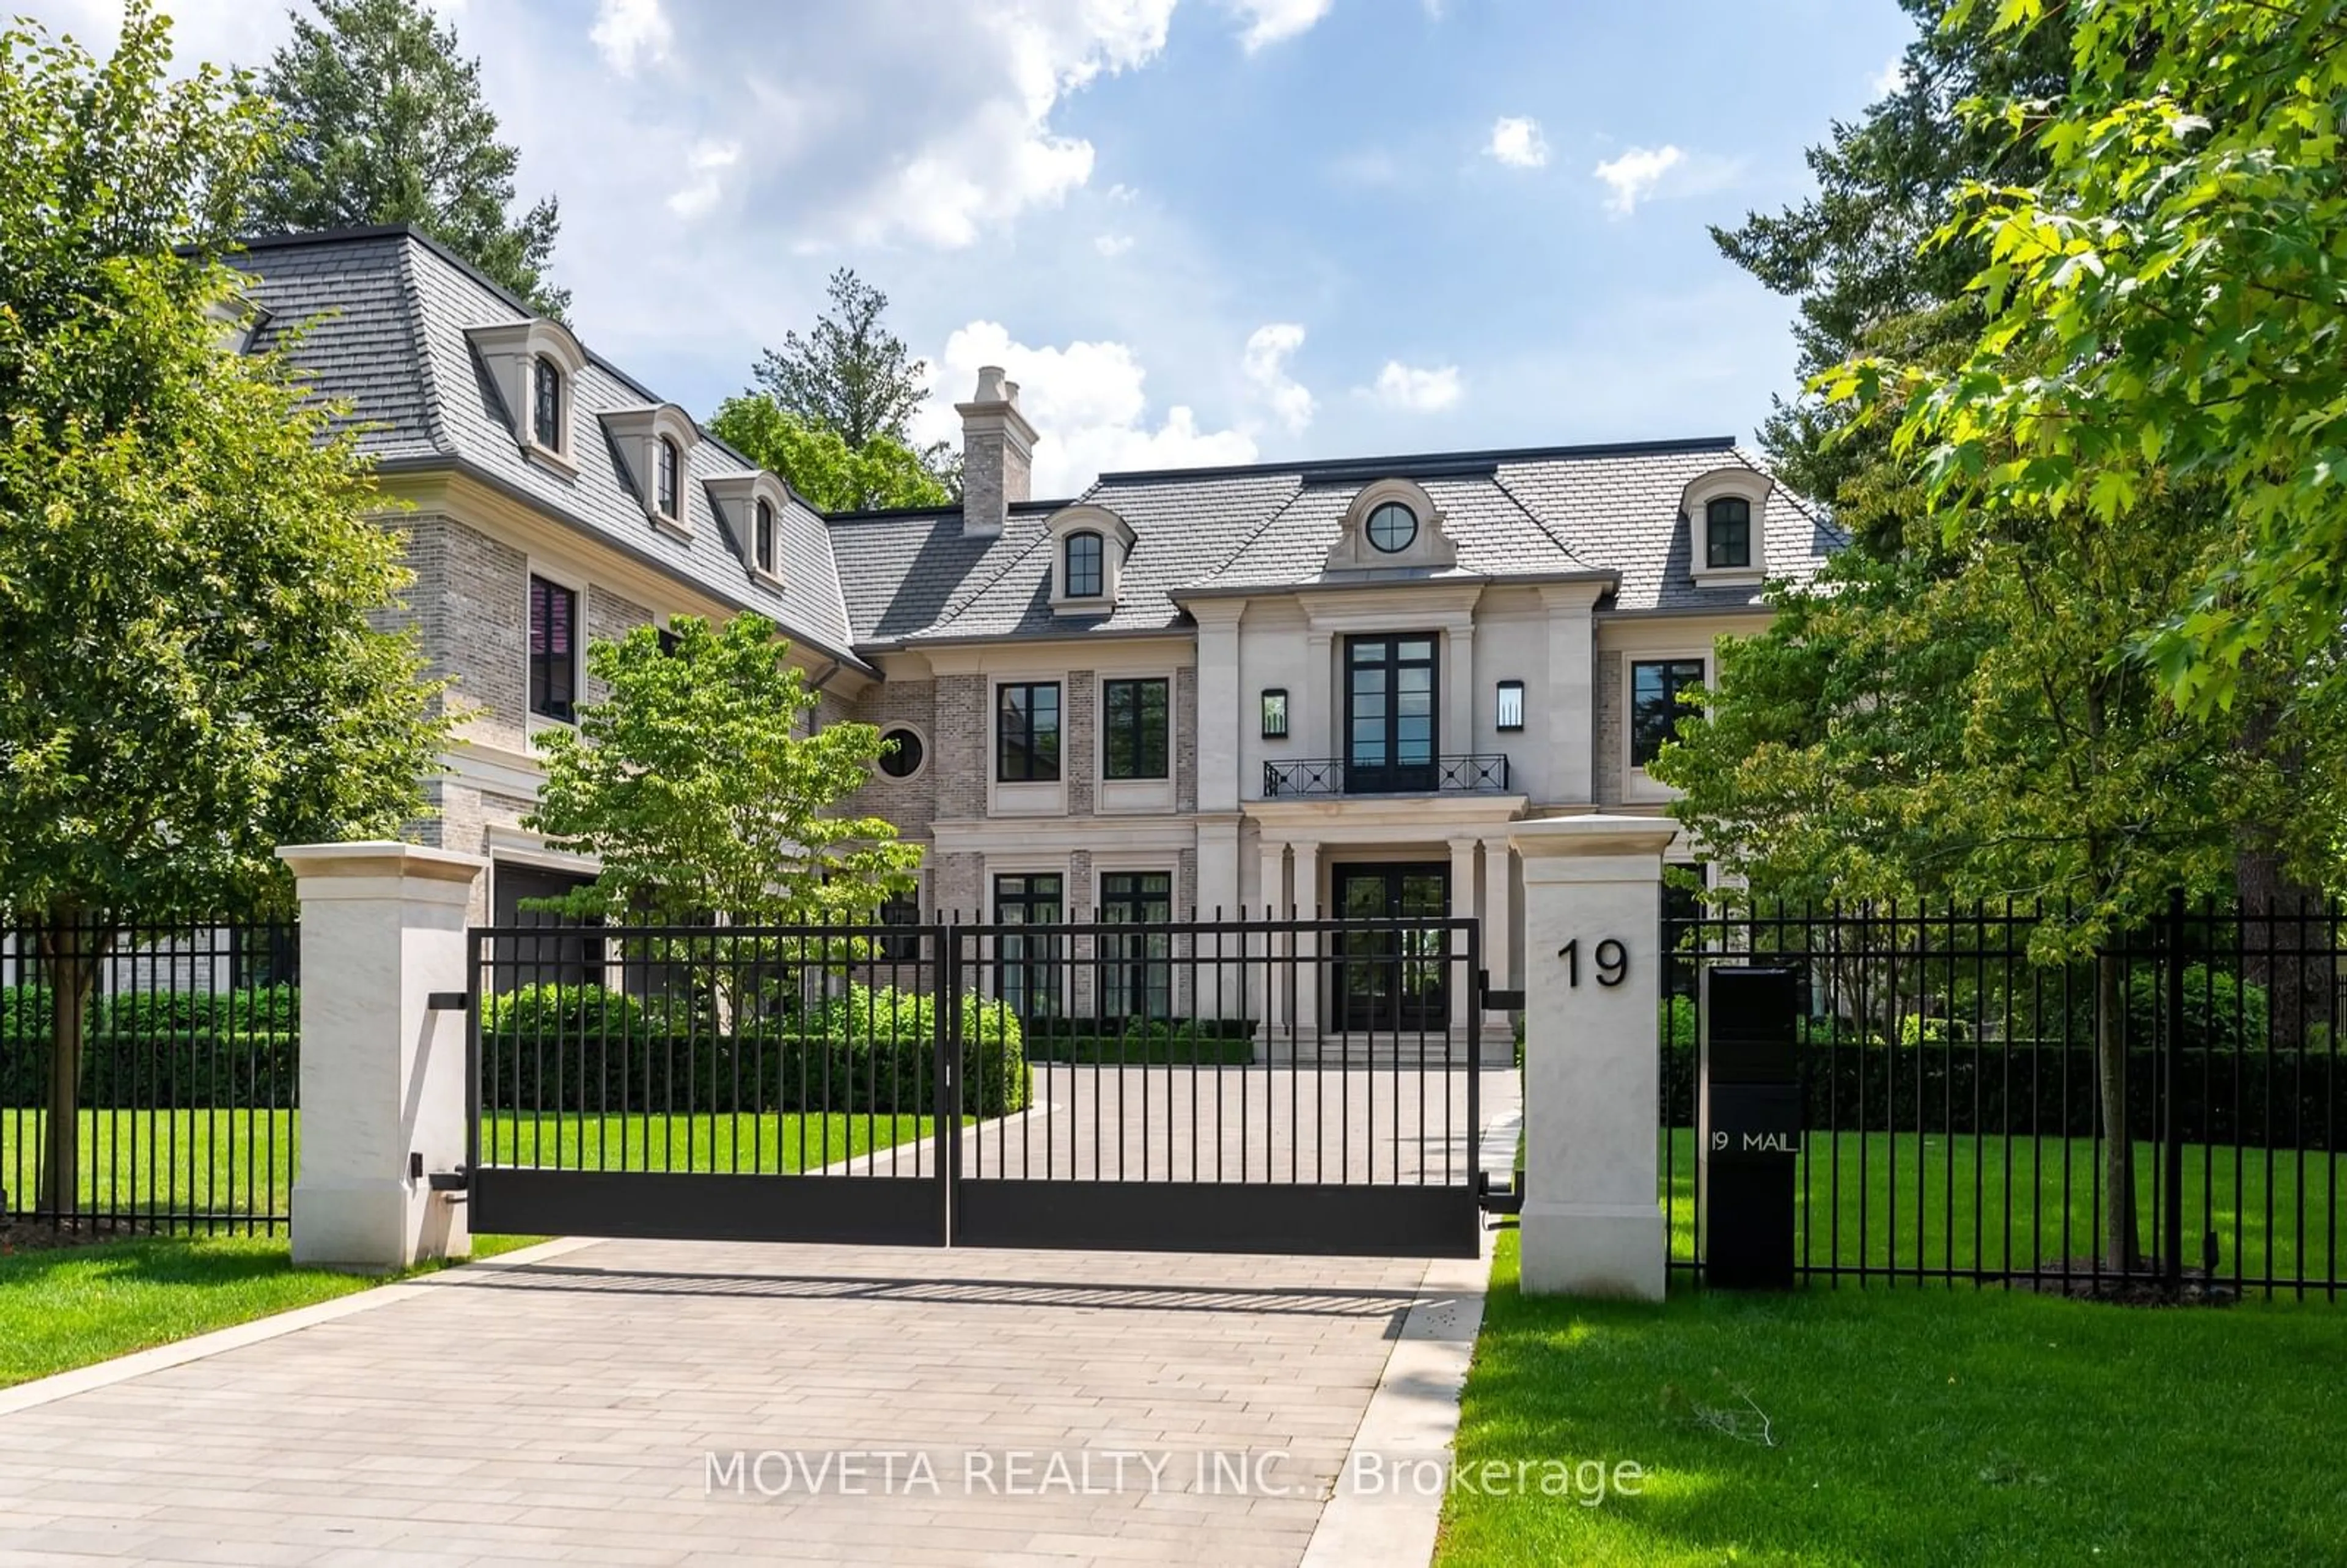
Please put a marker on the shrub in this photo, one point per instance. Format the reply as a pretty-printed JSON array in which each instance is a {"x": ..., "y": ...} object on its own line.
[{"x": 2221, "y": 1011}]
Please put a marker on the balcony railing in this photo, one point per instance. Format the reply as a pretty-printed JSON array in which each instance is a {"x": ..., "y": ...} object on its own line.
[{"x": 1481, "y": 774}]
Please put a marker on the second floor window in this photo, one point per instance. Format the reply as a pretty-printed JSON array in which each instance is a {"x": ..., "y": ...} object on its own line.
[
  {"x": 1027, "y": 731},
  {"x": 766, "y": 530},
  {"x": 1134, "y": 741},
  {"x": 546, "y": 404},
  {"x": 553, "y": 649},
  {"x": 1654, "y": 709},
  {"x": 1084, "y": 567},
  {"x": 1728, "y": 532},
  {"x": 666, "y": 492}
]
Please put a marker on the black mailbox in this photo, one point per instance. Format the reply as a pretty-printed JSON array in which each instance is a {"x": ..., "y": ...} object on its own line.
[{"x": 1750, "y": 1126}]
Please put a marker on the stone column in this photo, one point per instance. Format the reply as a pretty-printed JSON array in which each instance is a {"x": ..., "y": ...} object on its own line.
[
  {"x": 1309, "y": 980},
  {"x": 1458, "y": 736},
  {"x": 1499, "y": 936},
  {"x": 1270, "y": 982},
  {"x": 383, "y": 1073},
  {"x": 1218, "y": 702},
  {"x": 1317, "y": 713},
  {"x": 1571, "y": 716},
  {"x": 1593, "y": 1221},
  {"x": 1221, "y": 987}
]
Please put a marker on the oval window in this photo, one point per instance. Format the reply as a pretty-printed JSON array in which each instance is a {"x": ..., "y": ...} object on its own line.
[
  {"x": 1392, "y": 527},
  {"x": 901, "y": 753}
]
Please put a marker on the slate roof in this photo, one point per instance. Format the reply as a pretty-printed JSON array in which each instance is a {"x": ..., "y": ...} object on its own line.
[
  {"x": 380, "y": 317},
  {"x": 1539, "y": 514}
]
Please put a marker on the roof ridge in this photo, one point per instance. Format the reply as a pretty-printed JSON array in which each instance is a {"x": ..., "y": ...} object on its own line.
[
  {"x": 1247, "y": 543},
  {"x": 1399, "y": 466},
  {"x": 954, "y": 607},
  {"x": 1500, "y": 483},
  {"x": 410, "y": 320}
]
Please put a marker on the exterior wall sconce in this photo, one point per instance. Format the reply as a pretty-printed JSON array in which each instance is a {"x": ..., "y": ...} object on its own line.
[
  {"x": 1275, "y": 713},
  {"x": 1512, "y": 705}
]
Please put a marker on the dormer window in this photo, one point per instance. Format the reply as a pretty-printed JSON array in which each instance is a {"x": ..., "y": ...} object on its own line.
[
  {"x": 1392, "y": 527},
  {"x": 1090, "y": 545},
  {"x": 1723, "y": 512},
  {"x": 546, "y": 404},
  {"x": 672, "y": 463},
  {"x": 1085, "y": 565},
  {"x": 1727, "y": 534},
  {"x": 766, "y": 535}
]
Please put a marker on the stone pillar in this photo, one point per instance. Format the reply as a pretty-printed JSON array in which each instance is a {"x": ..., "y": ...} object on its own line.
[
  {"x": 1317, "y": 713},
  {"x": 1310, "y": 981},
  {"x": 1221, "y": 987},
  {"x": 1572, "y": 717},
  {"x": 1458, "y": 737},
  {"x": 1499, "y": 936},
  {"x": 1593, "y": 1221},
  {"x": 1219, "y": 710},
  {"x": 382, "y": 1074},
  {"x": 1270, "y": 980}
]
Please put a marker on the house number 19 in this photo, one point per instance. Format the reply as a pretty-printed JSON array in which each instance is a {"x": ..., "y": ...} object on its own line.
[{"x": 1613, "y": 961}]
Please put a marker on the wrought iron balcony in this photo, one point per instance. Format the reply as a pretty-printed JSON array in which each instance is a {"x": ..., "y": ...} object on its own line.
[{"x": 1481, "y": 774}]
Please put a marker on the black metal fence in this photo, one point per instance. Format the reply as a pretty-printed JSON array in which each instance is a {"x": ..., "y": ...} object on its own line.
[
  {"x": 177, "y": 1111},
  {"x": 2166, "y": 1115},
  {"x": 1210, "y": 1083}
]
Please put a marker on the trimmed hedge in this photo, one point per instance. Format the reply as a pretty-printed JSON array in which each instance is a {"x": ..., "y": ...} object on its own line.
[
  {"x": 1039, "y": 1029},
  {"x": 1160, "y": 1043},
  {"x": 190, "y": 1049},
  {"x": 2285, "y": 1099},
  {"x": 586, "y": 1049}
]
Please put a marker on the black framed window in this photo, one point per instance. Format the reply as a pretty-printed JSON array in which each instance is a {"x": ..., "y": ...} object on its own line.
[
  {"x": 1728, "y": 532},
  {"x": 1086, "y": 566},
  {"x": 553, "y": 649},
  {"x": 1392, "y": 527},
  {"x": 766, "y": 536},
  {"x": 1391, "y": 713},
  {"x": 1027, "y": 731},
  {"x": 1027, "y": 966},
  {"x": 546, "y": 404},
  {"x": 900, "y": 909},
  {"x": 1510, "y": 708},
  {"x": 1275, "y": 713},
  {"x": 665, "y": 494},
  {"x": 1133, "y": 740},
  {"x": 669, "y": 642},
  {"x": 1654, "y": 709},
  {"x": 900, "y": 752},
  {"x": 1136, "y": 970}
]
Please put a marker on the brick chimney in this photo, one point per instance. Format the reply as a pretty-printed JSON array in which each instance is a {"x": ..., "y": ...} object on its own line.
[{"x": 998, "y": 449}]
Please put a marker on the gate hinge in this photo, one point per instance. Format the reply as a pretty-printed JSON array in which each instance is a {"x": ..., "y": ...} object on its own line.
[{"x": 1497, "y": 1200}]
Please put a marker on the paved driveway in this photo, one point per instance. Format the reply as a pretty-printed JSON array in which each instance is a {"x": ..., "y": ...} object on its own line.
[{"x": 663, "y": 1402}]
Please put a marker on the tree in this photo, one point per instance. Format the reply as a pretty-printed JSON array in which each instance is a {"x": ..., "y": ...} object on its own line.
[
  {"x": 189, "y": 671},
  {"x": 851, "y": 376},
  {"x": 2164, "y": 307},
  {"x": 820, "y": 465},
  {"x": 692, "y": 784},
  {"x": 388, "y": 126}
]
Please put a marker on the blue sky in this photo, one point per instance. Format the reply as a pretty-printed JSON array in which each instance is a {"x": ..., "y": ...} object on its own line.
[{"x": 1195, "y": 230}]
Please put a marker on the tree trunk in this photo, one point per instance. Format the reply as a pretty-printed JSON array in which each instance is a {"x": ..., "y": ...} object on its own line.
[
  {"x": 70, "y": 949},
  {"x": 2122, "y": 1249},
  {"x": 2276, "y": 935}
]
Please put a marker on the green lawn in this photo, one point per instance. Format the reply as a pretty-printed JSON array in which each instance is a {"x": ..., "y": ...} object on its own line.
[
  {"x": 67, "y": 1307},
  {"x": 1909, "y": 1426},
  {"x": 1962, "y": 1219},
  {"x": 235, "y": 1162}
]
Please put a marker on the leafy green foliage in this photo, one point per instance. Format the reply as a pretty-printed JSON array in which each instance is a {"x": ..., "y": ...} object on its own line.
[
  {"x": 691, "y": 783},
  {"x": 188, "y": 579},
  {"x": 387, "y": 125},
  {"x": 819, "y": 464},
  {"x": 850, "y": 375},
  {"x": 2162, "y": 309}
]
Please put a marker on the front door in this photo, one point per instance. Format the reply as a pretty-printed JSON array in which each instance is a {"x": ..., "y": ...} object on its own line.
[
  {"x": 1392, "y": 980},
  {"x": 1389, "y": 714}
]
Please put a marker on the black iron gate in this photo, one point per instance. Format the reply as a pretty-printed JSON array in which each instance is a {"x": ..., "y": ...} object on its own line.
[{"x": 1117, "y": 1083}]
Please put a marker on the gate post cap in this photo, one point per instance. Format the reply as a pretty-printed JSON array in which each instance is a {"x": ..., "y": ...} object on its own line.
[
  {"x": 1593, "y": 834},
  {"x": 381, "y": 857}
]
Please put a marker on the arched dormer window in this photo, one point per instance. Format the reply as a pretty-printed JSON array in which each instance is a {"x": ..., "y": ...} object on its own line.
[
  {"x": 1088, "y": 547},
  {"x": 766, "y": 535},
  {"x": 1391, "y": 524},
  {"x": 1725, "y": 512},
  {"x": 669, "y": 495},
  {"x": 1082, "y": 578},
  {"x": 1728, "y": 533},
  {"x": 545, "y": 421},
  {"x": 751, "y": 509}
]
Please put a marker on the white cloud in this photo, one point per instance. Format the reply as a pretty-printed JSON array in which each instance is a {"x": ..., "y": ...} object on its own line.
[
  {"x": 707, "y": 161},
  {"x": 1113, "y": 245},
  {"x": 1516, "y": 142},
  {"x": 630, "y": 33},
  {"x": 1088, "y": 407},
  {"x": 1889, "y": 80},
  {"x": 1120, "y": 191},
  {"x": 1634, "y": 176},
  {"x": 1270, "y": 21},
  {"x": 1422, "y": 391},
  {"x": 1264, "y": 364}
]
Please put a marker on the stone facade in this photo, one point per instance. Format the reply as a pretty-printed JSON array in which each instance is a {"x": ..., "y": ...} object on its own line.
[
  {"x": 1613, "y": 741},
  {"x": 1079, "y": 749}
]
